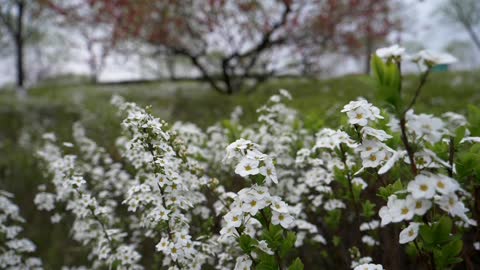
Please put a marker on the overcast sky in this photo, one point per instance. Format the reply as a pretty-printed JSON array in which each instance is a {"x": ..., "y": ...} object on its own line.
[{"x": 424, "y": 25}]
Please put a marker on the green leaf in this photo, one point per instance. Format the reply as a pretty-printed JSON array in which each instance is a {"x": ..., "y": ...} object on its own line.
[
  {"x": 389, "y": 190},
  {"x": 427, "y": 234},
  {"x": 296, "y": 265},
  {"x": 378, "y": 68},
  {"x": 453, "y": 248},
  {"x": 336, "y": 240},
  {"x": 388, "y": 82},
  {"x": 474, "y": 120},
  {"x": 267, "y": 262},
  {"x": 287, "y": 244},
  {"x": 273, "y": 236},
  {"x": 442, "y": 230},
  {"x": 246, "y": 243},
  {"x": 368, "y": 209},
  {"x": 459, "y": 134},
  {"x": 455, "y": 260}
]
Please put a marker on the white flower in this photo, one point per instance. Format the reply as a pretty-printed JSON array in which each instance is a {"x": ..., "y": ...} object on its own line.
[
  {"x": 374, "y": 159},
  {"x": 423, "y": 187},
  {"x": 234, "y": 218},
  {"x": 333, "y": 204},
  {"x": 331, "y": 139},
  {"x": 173, "y": 251},
  {"x": 253, "y": 204},
  {"x": 243, "y": 263},
  {"x": 372, "y": 225},
  {"x": 451, "y": 204},
  {"x": 285, "y": 93},
  {"x": 396, "y": 210},
  {"x": 409, "y": 233},
  {"x": 359, "y": 182},
  {"x": 369, "y": 241},
  {"x": 239, "y": 146},
  {"x": 369, "y": 266},
  {"x": 421, "y": 205},
  {"x": 363, "y": 260},
  {"x": 445, "y": 184},
  {"x": 425, "y": 126},
  {"x": 263, "y": 246},
  {"x": 360, "y": 112},
  {"x": 278, "y": 205},
  {"x": 389, "y": 52},
  {"x": 269, "y": 171},
  {"x": 376, "y": 133},
  {"x": 391, "y": 161},
  {"x": 385, "y": 212},
  {"x": 285, "y": 220},
  {"x": 431, "y": 58},
  {"x": 247, "y": 166}
]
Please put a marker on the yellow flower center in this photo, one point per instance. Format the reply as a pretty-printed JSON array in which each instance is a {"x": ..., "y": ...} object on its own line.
[
  {"x": 440, "y": 185},
  {"x": 418, "y": 205}
]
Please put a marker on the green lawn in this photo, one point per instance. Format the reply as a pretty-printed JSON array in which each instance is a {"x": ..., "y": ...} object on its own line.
[{"x": 55, "y": 107}]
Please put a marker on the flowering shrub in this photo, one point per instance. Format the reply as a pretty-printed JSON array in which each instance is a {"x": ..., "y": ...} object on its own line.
[{"x": 387, "y": 189}]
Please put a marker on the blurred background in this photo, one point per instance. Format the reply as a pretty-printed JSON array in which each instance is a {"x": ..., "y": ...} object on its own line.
[
  {"x": 197, "y": 60},
  {"x": 120, "y": 40}
]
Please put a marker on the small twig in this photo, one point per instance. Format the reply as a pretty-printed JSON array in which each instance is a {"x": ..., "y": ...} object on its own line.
[
  {"x": 423, "y": 80},
  {"x": 350, "y": 187},
  {"x": 408, "y": 147},
  {"x": 451, "y": 155}
]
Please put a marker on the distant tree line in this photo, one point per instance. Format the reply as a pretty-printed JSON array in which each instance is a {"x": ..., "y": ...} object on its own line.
[{"x": 233, "y": 44}]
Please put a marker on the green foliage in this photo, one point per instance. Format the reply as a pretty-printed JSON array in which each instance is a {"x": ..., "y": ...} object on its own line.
[
  {"x": 438, "y": 240},
  {"x": 287, "y": 244},
  {"x": 273, "y": 236},
  {"x": 246, "y": 243},
  {"x": 368, "y": 209},
  {"x": 391, "y": 189},
  {"x": 468, "y": 163},
  {"x": 267, "y": 262},
  {"x": 389, "y": 82},
  {"x": 474, "y": 120},
  {"x": 296, "y": 265}
]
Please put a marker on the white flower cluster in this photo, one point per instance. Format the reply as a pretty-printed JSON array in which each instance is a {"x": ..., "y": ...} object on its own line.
[
  {"x": 252, "y": 161},
  {"x": 373, "y": 151},
  {"x": 166, "y": 184},
  {"x": 423, "y": 192},
  {"x": 175, "y": 185},
  {"x": 249, "y": 201},
  {"x": 15, "y": 251},
  {"x": 93, "y": 206},
  {"x": 424, "y": 57}
]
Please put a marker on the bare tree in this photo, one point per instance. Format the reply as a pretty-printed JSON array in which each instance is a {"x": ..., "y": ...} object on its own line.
[
  {"x": 12, "y": 18},
  {"x": 467, "y": 14}
]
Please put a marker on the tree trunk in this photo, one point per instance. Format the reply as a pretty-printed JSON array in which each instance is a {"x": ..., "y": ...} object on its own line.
[
  {"x": 474, "y": 37},
  {"x": 19, "y": 44},
  {"x": 368, "y": 53},
  {"x": 171, "y": 67}
]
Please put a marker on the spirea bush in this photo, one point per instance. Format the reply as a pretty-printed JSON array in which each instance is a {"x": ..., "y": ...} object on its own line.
[{"x": 387, "y": 189}]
